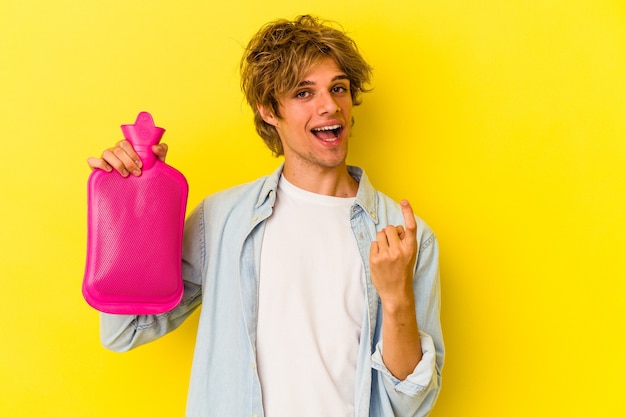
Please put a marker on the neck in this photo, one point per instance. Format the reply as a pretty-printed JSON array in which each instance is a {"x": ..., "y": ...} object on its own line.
[{"x": 335, "y": 181}]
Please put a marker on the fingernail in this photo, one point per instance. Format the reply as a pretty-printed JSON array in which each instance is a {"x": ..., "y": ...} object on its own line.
[
  {"x": 124, "y": 173},
  {"x": 138, "y": 163},
  {"x": 136, "y": 173}
]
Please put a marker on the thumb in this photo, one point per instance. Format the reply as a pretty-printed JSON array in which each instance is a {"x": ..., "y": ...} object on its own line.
[{"x": 160, "y": 150}]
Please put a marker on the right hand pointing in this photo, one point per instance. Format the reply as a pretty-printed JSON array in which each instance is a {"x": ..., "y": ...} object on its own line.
[{"x": 123, "y": 158}]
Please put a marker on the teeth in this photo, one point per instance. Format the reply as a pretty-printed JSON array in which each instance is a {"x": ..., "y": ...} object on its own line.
[{"x": 320, "y": 129}]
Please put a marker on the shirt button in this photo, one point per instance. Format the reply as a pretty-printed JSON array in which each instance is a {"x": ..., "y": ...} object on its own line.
[
  {"x": 255, "y": 415},
  {"x": 255, "y": 218}
]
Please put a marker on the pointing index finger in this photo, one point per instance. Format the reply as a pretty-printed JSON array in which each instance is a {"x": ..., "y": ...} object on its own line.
[{"x": 409, "y": 217}]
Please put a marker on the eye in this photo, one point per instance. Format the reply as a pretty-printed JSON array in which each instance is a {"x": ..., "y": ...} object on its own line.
[
  {"x": 339, "y": 89},
  {"x": 303, "y": 94}
]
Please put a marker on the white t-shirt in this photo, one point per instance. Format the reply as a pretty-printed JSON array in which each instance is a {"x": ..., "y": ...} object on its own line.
[{"x": 311, "y": 306}]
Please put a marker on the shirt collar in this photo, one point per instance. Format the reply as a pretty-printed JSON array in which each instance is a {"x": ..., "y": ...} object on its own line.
[
  {"x": 366, "y": 197},
  {"x": 268, "y": 191}
]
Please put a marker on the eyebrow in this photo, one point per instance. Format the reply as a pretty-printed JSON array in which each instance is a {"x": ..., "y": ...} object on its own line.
[{"x": 335, "y": 78}]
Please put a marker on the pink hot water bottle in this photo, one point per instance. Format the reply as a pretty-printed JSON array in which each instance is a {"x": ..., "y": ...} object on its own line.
[{"x": 135, "y": 232}]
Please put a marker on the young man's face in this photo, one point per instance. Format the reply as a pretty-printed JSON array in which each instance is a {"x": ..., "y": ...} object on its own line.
[{"x": 315, "y": 119}]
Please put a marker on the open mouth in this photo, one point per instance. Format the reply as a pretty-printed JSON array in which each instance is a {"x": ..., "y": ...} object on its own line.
[{"x": 327, "y": 133}]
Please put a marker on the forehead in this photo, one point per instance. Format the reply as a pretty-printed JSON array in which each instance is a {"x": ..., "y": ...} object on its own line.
[{"x": 324, "y": 69}]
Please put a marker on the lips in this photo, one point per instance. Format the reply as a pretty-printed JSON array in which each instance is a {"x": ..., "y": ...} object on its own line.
[{"x": 328, "y": 133}]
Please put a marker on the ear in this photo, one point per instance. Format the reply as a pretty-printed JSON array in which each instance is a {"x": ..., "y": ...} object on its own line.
[{"x": 267, "y": 115}]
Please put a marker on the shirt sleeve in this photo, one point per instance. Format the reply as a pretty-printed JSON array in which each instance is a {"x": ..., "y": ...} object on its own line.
[{"x": 421, "y": 377}]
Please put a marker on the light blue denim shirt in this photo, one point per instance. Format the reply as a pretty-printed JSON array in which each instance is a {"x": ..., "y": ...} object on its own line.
[{"x": 221, "y": 252}]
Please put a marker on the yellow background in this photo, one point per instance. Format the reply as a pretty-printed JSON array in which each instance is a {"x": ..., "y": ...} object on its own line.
[{"x": 503, "y": 122}]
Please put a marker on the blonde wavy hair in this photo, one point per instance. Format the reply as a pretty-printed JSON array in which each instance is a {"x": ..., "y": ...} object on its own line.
[{"x": 279, "y": 56}]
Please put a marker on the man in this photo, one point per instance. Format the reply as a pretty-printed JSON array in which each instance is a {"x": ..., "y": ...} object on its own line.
[{"x": 312, "y": 290}]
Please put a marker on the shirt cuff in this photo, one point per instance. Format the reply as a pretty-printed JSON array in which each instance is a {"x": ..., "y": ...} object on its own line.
[{"x": 421, "y": 376}]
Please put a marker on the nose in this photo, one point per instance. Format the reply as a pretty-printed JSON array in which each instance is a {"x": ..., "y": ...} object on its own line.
[{"x": 327, "y": 104}]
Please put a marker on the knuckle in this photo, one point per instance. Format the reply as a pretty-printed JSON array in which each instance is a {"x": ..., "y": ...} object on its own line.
[
  {"x": 109, "y": 156},
  {"x": 118, "y": 151}
]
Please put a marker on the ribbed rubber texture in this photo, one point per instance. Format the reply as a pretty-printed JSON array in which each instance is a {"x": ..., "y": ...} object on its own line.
[{"x": 135, "y": 240}]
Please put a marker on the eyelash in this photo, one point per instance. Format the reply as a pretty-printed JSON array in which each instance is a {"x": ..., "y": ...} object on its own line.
[
  {"x": 302, "y": 94},
  {"x": 338, "y": 89}
]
